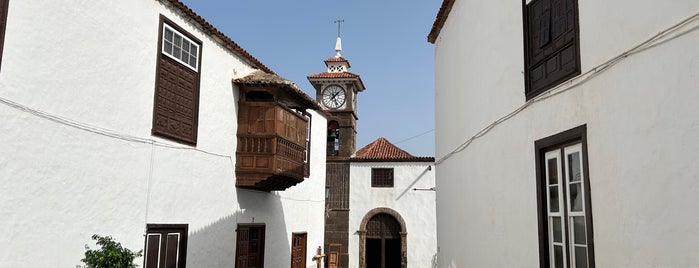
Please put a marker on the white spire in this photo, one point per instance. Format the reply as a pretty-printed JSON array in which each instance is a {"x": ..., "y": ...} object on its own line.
[{"x": 338, "y": 47}]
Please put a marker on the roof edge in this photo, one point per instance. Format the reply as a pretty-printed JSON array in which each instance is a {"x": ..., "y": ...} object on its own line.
[
  {"x": 439, "y": 21},
  {"x": 402, "y": 160},
  {"x": 209, "y": 29}
]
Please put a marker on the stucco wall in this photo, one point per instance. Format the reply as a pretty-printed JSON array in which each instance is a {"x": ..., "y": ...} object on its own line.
[
  {"x": 93, "y": 64},
  {"x": 642, "y": 133},
  {"x": 417, "y": 208}
]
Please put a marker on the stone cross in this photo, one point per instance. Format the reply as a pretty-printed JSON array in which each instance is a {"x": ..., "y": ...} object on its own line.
[{"x": 318, "y": 257}]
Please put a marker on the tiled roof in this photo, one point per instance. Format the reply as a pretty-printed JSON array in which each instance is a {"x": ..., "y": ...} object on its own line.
[
  {"x": 211, "y": 30},
  {"x": 383, "y": 150},
  {"x": 259, "y": 77},
  {"x": 439, "y": 21},
  {"x": 334, "y": 75},
  {"x": 336, "y": 59}
]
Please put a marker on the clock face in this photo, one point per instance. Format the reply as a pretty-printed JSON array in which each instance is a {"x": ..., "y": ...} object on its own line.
[{"x": 333, "y": 96}]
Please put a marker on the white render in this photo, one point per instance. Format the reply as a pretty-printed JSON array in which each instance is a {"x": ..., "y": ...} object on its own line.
[
  {"x": 417, "y": 208},
  {"x": 642, "y": 135},
  {"x": 93, "y": 64}
]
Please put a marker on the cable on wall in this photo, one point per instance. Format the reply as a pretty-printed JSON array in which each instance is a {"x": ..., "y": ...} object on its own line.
[{"x": 658, "y": 39}]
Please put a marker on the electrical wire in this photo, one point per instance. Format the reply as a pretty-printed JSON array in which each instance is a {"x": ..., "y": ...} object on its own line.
[{"x": 659, "y": 38}]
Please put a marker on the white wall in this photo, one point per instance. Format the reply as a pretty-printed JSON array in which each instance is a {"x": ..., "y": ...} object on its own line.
[
  {"x": 417, "y": 208},
  {"x": 642, "y": 131},
  {"x": 93, "y": 64}
]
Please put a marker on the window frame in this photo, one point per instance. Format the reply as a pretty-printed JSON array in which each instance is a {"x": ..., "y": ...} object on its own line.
[
  {"x": 180, "y": 229},
  {"x": 544, "y": 149},
  {"x": 176, "y": 32},
  {"x": 161, "y": 61},
  {"x": 377, "y": 182},
  {"x": 529, "y": 91},
  {"x": 4, "y": 7}
]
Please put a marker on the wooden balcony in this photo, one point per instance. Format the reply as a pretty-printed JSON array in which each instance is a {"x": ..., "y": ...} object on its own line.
[{"x": 271, "y": 147}]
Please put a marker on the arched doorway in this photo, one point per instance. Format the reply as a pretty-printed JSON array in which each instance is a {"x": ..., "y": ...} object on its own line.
[{"x": 382, "y": 240}]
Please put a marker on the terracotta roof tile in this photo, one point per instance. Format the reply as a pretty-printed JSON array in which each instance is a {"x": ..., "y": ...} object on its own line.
[
  {"x": 259, "y": 77},
  {"x": 334, "y": 75},
  {"x": 383, "y": 150},
  {"x": 336, "y": 59},
  {"x": 211, "y": 30},
  {"x": 439, "y": 21}
]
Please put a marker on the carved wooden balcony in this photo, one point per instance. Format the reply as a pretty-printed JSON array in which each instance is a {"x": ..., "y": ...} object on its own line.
[{"x": 271, "y": 148}]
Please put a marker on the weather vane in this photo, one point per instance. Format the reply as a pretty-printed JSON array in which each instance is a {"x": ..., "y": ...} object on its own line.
[{"x": 339, "y": 22}]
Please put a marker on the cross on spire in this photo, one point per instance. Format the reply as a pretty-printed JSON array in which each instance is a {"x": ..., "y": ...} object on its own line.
[{"x": 339, "y": 22}]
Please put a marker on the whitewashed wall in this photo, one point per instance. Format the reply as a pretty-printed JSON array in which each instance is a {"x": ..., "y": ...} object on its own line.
[
  {"x": 642, "y": 131},
  {"x": 93, "y": 63},
  {"x": 417, "y": 208}
]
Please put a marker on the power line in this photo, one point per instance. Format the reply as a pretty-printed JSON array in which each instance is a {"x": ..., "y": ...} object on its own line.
[{"x": 658, "y": 39}]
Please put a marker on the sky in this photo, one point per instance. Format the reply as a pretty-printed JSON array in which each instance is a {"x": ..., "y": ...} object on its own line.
[{"x": 384, "y": 40}]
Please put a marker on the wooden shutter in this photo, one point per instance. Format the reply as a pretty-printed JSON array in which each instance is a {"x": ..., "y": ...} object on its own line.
[
  {"x": 165, "y": 246},
  {"x": 552, "y": 44},
  {"x": 250, "y": 244},
  {"x": 176, "y": 105},
  {"x": 3, "y": 23}
]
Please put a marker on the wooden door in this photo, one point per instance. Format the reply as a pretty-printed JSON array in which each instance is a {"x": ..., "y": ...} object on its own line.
[
  {"x": 250, "y": 245},
  {"x": 334, "y": 255},
  {"x": 298, "y": 250}
]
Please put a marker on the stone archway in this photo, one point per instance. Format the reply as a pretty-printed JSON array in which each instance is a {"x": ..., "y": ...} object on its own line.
[{"x": 403, "y": 233}]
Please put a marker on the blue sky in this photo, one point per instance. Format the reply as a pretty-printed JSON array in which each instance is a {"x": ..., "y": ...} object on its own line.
[{"x": 384, "y": 41}]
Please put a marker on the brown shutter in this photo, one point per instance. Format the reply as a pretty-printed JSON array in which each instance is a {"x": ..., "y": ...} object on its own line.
[
  {"x": 3, "y": 23},
  {"x": 171, "y": 252},
  {"x": 241, "y": 255},
  {"x": 166, "y": 246},
  {"x": 552, "y": 45},
  {"x": 152, "y": 250}
]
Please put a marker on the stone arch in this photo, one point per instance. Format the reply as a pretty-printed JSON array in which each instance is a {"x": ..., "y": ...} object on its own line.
[{"x": 403, "y": 235}]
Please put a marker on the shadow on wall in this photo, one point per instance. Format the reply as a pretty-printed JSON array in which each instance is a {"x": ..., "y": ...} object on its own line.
[{"x": 215, "y": 244}]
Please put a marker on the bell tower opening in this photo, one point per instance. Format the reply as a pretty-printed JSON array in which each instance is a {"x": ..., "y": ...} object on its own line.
[{"x": 333, "y": 147}]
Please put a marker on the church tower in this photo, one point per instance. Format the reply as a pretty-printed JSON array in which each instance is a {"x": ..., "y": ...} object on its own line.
[{"x": 336, "y": 92}]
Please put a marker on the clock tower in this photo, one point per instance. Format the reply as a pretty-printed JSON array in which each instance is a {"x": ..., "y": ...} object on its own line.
[{"x": 336, "y": 92}]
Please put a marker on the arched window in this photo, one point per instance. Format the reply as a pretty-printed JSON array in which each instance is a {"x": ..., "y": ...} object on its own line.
[{"x": 333, "y": 146}]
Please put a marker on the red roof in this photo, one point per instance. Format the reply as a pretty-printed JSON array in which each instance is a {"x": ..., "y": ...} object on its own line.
[
  {"x": 208, "y": 28},
  {"x": 439, "y": 21},
  {"x": 336, "y": 59},
  {"x": 383, "y": 150},
  {"x": 334, "y": 75}
]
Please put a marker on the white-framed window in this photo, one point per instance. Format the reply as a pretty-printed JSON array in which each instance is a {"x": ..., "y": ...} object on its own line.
[
  {"x": 180, "y": 48},
  {"x": 565, "y": 223}
]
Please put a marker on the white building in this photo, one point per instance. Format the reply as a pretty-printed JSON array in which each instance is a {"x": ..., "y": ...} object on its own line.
[
  {"x": 392, "y": 219},
  {"x": 567, "y": 133},
  {"x": 140, "y": 120}
]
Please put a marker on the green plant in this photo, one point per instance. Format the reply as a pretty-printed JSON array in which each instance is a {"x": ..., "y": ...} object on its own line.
[{"x": 110, "y": 255}]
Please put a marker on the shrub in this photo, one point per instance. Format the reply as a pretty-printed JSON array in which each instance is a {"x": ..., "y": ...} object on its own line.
[{"x": 110, "y": 255}]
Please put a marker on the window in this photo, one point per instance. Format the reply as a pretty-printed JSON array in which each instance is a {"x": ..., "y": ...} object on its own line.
[
  {"x": 381, "y": 177},
  {"x": 250, "y": 245},
  {"x": 3, "y": 22},
  {"x": 179, "y": 47},
  {"x": 563, "y": 197},
  {"x": 551, "y": 44},
  {"x": 176, "y": 104},
  {"x": 166, "y": 246}
]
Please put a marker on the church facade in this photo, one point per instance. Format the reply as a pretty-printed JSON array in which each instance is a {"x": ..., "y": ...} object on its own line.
[
  {"x": 380, "y": 200},
  {"x": 141, "y": 121}
]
